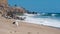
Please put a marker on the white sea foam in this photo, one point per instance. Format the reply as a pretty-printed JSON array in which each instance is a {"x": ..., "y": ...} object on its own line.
[
  {"x": 29, "y": 14},
  {"x": 53, "y": 14},
  {"x": 44, "y": 21},
  {"x": 38, "y": 14}
]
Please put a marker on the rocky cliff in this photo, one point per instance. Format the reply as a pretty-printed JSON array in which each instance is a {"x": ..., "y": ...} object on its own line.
[{"x": 5, "y": 8}]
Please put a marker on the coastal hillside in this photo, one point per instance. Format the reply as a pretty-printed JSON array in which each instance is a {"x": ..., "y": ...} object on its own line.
[{"x": 6, "y": 10}]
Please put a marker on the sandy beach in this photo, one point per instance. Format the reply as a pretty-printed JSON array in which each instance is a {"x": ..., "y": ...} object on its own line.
[{"x": 6, "y": 27}]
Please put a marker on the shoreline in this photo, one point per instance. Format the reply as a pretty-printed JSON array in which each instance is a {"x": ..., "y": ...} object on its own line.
[
  {"x": 45, "y": 21},
  {"x": 44, "y": 25},
  {"x": 6, "y": 27}
]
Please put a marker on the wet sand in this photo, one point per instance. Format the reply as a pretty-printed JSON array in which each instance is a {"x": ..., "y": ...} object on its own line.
[{"x": 6, "y": 27}]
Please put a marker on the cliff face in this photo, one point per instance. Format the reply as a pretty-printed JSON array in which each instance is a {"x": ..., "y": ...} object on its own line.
[
  {"x": 5, "y": 8},
  {"x": 3, "y": 2},
  {"x": 3, "y": 5}
]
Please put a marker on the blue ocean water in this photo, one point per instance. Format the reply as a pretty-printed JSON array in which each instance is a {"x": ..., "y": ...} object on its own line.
[
  {"x": 48, "y": 15},
  {"x": 51, "y": 17}
]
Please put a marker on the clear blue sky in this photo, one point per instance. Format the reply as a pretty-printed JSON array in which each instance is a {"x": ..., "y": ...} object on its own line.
[{"x": 38, "y": 5}]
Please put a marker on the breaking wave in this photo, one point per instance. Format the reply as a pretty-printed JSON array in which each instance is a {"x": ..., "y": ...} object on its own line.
[{"x": 44, "y": 21}]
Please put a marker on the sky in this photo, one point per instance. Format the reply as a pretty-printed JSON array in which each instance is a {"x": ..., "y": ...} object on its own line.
[{"x": 50, "y": 6}]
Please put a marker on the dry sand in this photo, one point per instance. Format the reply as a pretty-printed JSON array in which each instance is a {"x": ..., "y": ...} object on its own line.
[{"x": 6, "y": 27}]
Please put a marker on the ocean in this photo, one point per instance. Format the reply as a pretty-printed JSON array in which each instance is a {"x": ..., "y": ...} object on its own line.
[{"x": 51, "y": 19}]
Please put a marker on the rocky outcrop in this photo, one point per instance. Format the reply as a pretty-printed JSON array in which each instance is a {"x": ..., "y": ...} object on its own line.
[{"x": 6, "y": 10}]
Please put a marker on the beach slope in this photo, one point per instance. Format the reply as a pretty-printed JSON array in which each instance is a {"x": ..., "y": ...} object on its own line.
[{"x": 6, "y": 27}]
